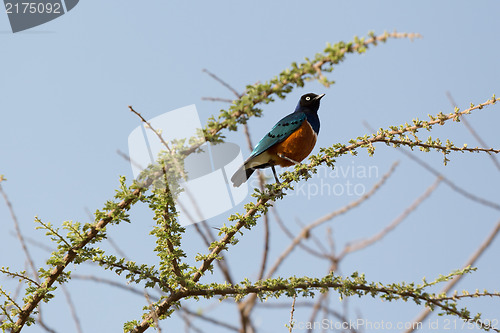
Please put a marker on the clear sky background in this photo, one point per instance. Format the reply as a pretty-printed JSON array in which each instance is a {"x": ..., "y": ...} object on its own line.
[{"x": 65, "y": 88}]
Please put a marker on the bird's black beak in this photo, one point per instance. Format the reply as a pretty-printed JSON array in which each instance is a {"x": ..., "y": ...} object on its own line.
[{"x": 317, "y": 98}]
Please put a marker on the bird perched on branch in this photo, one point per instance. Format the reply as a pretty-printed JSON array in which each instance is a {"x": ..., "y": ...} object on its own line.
[{"x": 290, "y": 141}]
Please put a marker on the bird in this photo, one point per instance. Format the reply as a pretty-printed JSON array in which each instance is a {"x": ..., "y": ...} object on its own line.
[{"x": 289, "y": 142}]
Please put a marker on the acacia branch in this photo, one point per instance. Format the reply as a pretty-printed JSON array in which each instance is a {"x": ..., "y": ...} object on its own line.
[
  {"x": 328, "y": 157},
  {"x": 20, "y": 276},
  {"x": 474, "y": 257},
  {"x": 72, "y": 309},
  {"x": 387, "y": 135},
  {"x": 224, "y": 83},
  {"x": 210, "y": 320},
  {"x": 472, "y": 131},
  {"x": 440, "y": 147},
  {"x": 217, "y": 99},
  {"x": 19, "y": 234},
  {"x": 306, "y": 230},
  {"x": 72, "y": 253},
  {"x": 361, "y": 244},
  {"x": 291, "y": 236},
  {"x": 290, "y": 287},
  {"x": 281, "y": 86},
  {"x": 445, "y": 180}
]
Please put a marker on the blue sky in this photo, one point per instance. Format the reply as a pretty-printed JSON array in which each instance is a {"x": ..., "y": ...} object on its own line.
[{"x": 66, "y": 86}]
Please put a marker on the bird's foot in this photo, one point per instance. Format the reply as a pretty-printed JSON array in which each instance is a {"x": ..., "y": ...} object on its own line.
[{"x": 275, "y": 175}]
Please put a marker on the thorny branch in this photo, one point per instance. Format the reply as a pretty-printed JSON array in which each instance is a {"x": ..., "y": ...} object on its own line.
[{"x": 275, "y": 192}]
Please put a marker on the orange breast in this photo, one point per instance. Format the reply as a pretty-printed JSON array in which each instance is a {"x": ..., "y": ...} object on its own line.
[{"x": 296, "y": 147}]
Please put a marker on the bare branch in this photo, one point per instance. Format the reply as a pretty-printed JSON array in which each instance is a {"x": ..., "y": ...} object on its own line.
[
  {"x": 472, "y": 131},
  {"x": 208, "y": 238},
  {"x": 290, "y": 327},
  {"x": 42, "y": 323},
  {"x": 474, "y": 257},
  {"x": 189, "y": 324},
  {"x": 217, "y": 99},
  {"x": 148, "y": 124},
  {"x": 305, "y": 231},
  {"x": 442, "y": 148},
  {"x": 279, "y": 86},
  {"x": 306, "y": 304},
  {"x": 20, "y": 276},
  {"x": 19, "y": 235},
  {"x": 319, "y": 303},
  {"x": 113, "y": 283},
  {"x": 290, "y": 235},
  {"x": 150, "y": 305},
  {"x": 72, "y": 309},
  {"x": 210, "y": 319},
  {"x": 362, "y": 244},
  {"x": 218, "y": 79},
  {"x": 445, "y": 180},
  {"x": 72, "y": 253},
  {"x": 127, "y": 158}
]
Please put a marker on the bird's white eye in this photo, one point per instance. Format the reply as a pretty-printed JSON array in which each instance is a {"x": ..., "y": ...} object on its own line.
[{"x": 308, "y": 98}]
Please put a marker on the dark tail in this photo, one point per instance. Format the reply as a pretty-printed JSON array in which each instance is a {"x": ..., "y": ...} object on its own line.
[{"x": 241, "y": 175}]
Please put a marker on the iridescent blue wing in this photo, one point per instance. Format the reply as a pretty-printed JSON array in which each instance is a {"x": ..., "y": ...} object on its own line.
[{"x": 282, "y": 130}]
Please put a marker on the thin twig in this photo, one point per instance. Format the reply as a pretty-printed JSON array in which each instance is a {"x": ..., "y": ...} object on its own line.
[
  {"x": 113, "y": 244},
  {"x": 72, "y": 309},
  {"x": 317, "y": 306},
  {"x": 35, "y": 243},
  {"x": 474, "y": 257},
  {"x": 218, "y": 79},
  {"x": 316, "y": 240},
  {"x": 127, "y": 158},
  {"x": 330, "y": 240},
  {"x": 451, "y": 184},
  {"x": 20, "y": 276},
  {"x": 42, "y": 323},
  {"x": 305, "y": 231},
  {"x": 19, "y": 235},
  {"x": 472, "y": 131},
  {"x": 243, "y": 308},
  {"x": 210, "y": 319},
  {"x": 189, "y": 325},
  {"x": 323, "y": 297},
  {"x": 290, "y": 327},
  {"x": 278, "y": 86},
  {"x": 150, "y": 305},
  {"x": 208, "y": 239},
  {"x": 217, "y": 99},
  {"x": 417, "y": 296},
  {"x": 28, "y": 256},
  {"x": 305, "y": 304},
  {"x": 448, "y": 182},
  {"x": 291, "y": 236},
  {"x": 266, "y": 218},
  {"x": 151, "y": 128},
  {"x": 442, "y": 148},
  {"x": 113, "y": 283},
  {"x": 37, "y": 297},
  {"x": 168, "y": 302},
  {"x": 362, "y": 244}
]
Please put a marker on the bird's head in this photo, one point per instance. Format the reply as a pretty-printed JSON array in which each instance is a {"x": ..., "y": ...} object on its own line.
[{"x": 309, "y": 102}]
